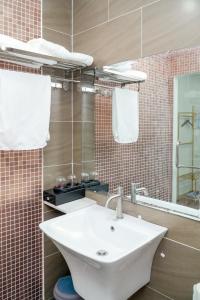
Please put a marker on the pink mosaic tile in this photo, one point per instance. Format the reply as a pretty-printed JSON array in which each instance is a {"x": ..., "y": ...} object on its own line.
[{"x": 20, "y": 183}]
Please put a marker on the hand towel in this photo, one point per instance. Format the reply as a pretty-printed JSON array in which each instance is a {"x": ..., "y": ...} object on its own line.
[
  {"x": 196, "y": 291},
  {"x": 24, "y": 110},
  {"x": 125, "y": 116}
]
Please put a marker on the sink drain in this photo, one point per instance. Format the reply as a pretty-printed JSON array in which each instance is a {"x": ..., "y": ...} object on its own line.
[{"x": 102, "y": 252}]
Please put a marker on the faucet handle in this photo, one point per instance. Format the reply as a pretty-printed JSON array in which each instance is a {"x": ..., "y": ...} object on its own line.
[
  {"x": 120, "y": 190},
  {"x": 135, "y": 185}
]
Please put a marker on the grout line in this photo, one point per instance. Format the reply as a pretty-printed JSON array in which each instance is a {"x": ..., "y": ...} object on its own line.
[
  {"x": 72, "y": 25},
  {"x": 125, "y": 14},
  {"x": 61, "y": 121},
  {"x": 182, "y": 244},
  {"x": 54, "y": 253},
  {"x": 83, "y": 161},
  {"x": 158, "y": 292},
  {"x": 151, "y": 3},
  {"x": 67, "y": 34},
  {"x": 141, "y": 34},
  {"x": 83, "y": 31},
  {"x": 42, "y": 204},
  {"x": 83, "y": 121},
  {"x": 50, "y": 166},
  {"x": 108, "y": 10}
]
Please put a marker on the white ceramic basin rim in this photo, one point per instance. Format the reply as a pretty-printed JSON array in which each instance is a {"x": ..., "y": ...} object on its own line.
[{"x": 95, "y": 228}]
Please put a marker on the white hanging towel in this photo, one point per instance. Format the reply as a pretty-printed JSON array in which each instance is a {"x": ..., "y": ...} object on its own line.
[
  {"x": 125, "y": 116},
  {"x": 196, "y": 291},
  {"x": 25, "y": 101}
]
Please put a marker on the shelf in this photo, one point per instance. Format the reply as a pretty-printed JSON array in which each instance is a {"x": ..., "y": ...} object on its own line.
[
  {"x": 37, "y": 60},
  {"x": 185, "y": 143},
  {"x": 99, "y": 74},
  {"x": 192, "y": 176}
]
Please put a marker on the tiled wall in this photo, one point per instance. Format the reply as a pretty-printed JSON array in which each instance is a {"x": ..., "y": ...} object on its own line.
[
  {"x": 56, "y": 27},
  {"x": 117, "y": 30},
  {"x": 20, "y": 183},
  {"x": 84, "y": 131},
  {"x": 58, "y": 155}
]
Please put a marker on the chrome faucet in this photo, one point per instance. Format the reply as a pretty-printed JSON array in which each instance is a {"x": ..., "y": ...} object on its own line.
[
  {"x": 119, "y": 197},
  {"x": 135, "y": 190}
]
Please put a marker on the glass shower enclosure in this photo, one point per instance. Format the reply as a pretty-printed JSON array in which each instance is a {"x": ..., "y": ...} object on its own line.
[{"x": 186, "y": 141}]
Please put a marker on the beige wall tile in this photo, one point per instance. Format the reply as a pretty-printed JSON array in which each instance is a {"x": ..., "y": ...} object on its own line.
[
  {"x": 57, "y": 37},
  {"x": 89, "y": 166},
  {"x": 176, "y": 274},
  {"x": 119, "y": 7},
  {"x": 147, "y": 294},
  {"x": 77, "y": 142},
  {"x": 54, "y": 268},
  {"x": 112, "y": 42},
  {"x": 61, "y": 105},
  {"x": 89, "y": 13},
  {"x": 168, "y": 25},
  {"x": 86, "y": 167},
  {"x": 77, "y": 171},
  {"x": 57, "y": 15},
  {"x": 88, "y": 141},
  {"x": 51, "y": 173},
  {"x": 59, "y": 148},
  {"x": 84, "y": 143},
  {"x": 49, "y": 247},
  {"x": 52, "y": 214},
  {"x": 47, "y": 208},
  {"x": 83, "y": 105}
]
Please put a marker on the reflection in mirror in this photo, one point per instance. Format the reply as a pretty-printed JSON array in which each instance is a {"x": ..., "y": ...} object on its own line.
[
  {"x": 165, "y": 159},
  {"x": 186, "y": 140}
]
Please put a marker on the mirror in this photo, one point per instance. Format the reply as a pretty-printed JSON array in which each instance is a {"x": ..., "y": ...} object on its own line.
[
  {"x": 166, "y": 157},
  {"x": 186, "y": 140}
]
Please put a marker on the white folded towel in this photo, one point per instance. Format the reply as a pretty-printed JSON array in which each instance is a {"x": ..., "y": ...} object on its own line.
[
  {"x": 196, "y": 291},
  {"x": 122, "y": 66},
  {"x": 24, "y": 110},
  {"x": 8, "y": 41},
  {"x": 126, "y": 70},
  {"x": 45, "y": 47},
  {"x": 125, "y": 115},
  {"x": 81, "y": 58}
]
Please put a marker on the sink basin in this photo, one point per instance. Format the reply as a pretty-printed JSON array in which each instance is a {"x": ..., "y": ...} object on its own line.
[{"x": 109, "y": 258}]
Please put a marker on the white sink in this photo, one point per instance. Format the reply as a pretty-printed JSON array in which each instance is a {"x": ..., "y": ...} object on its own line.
[{"x": 126, "y": 247}]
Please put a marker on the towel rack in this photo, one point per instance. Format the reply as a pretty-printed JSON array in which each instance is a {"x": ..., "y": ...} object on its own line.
[
  {"x": 37, "y": 60},
  {"x": 98, "y": 74}
]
